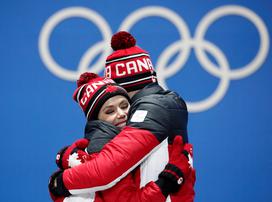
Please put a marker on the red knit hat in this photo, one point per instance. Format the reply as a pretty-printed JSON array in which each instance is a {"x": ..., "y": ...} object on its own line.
[
  {"x": 93, "y": 91},
  {"x": 129, "y": 65}
]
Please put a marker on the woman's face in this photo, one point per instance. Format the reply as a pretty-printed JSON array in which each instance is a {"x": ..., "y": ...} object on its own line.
[{"x": 115, "y": 111}]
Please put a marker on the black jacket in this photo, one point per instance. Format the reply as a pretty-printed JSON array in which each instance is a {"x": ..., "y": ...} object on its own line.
[
  {"x": 167, "y": 114},
  {"x": 99, "y": 133}
]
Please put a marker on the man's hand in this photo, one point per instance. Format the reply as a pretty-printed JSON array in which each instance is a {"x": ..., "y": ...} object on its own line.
[
  {"x": 72, "y": 155},
  {"x": 177, "y": 169}
]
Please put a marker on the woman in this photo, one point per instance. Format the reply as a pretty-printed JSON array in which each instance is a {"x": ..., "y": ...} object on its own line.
[{"x": 106, "y": 106}]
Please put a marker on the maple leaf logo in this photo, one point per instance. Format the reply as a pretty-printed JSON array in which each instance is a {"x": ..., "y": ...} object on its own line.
[{"x": 73, "y": 160}]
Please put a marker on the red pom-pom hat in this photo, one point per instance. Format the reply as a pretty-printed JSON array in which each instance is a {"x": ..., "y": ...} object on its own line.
[
  {"x": 93, "y": 91},
  {"x": 129, "y": 65}
]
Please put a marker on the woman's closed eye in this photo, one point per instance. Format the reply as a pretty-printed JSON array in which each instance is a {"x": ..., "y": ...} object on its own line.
[
  {"x": 109, "y": 111},
  {"x": 124, "y": 105}
]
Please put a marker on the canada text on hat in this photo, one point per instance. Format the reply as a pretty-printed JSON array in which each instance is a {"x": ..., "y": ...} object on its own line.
[
  {"x": 129, "y": 66},
  {"x": 93, "y": 91},
  {"x": 90, "y": 90}
]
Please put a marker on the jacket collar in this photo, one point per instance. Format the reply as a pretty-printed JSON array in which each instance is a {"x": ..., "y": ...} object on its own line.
[{"x": 153, "y": 88}]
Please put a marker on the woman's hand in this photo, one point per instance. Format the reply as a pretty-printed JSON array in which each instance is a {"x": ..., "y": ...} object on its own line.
[{"x": 73, "y": 155}]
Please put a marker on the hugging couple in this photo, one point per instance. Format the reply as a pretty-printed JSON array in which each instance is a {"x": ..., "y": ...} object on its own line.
[{"x": 135, "y": 147}]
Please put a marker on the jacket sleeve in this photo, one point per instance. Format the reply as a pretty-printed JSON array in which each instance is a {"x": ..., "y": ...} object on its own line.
[
  {"x": 148, "y": 125},
  {"x": 119, "y": 157}
]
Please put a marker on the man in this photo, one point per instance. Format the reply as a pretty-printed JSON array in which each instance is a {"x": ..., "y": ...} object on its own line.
[{"x": 156, "y": 116}]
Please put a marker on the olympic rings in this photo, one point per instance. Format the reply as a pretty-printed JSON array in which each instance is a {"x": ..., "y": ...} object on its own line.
[
  {"x": 183, "y": 47},
  {"x": 60, "y": 16}
]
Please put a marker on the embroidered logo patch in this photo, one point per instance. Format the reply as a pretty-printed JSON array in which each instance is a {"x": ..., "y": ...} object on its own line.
[{"x": 139, "y": 116}]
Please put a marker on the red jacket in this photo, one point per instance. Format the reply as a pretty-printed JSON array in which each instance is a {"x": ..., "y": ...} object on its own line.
[
  {"x": 128, "y": 190},
  {"x": 155, "y": 115}
]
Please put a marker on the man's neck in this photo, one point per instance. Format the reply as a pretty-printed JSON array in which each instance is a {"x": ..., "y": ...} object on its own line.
[
  {"x": 132, "y": 93},
  {"x": 153, "y": 88}
]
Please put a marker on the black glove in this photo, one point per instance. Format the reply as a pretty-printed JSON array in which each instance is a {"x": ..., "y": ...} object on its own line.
[
  {"x": 56, "y": 186},
  {"x": 178, "y": 167}
]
